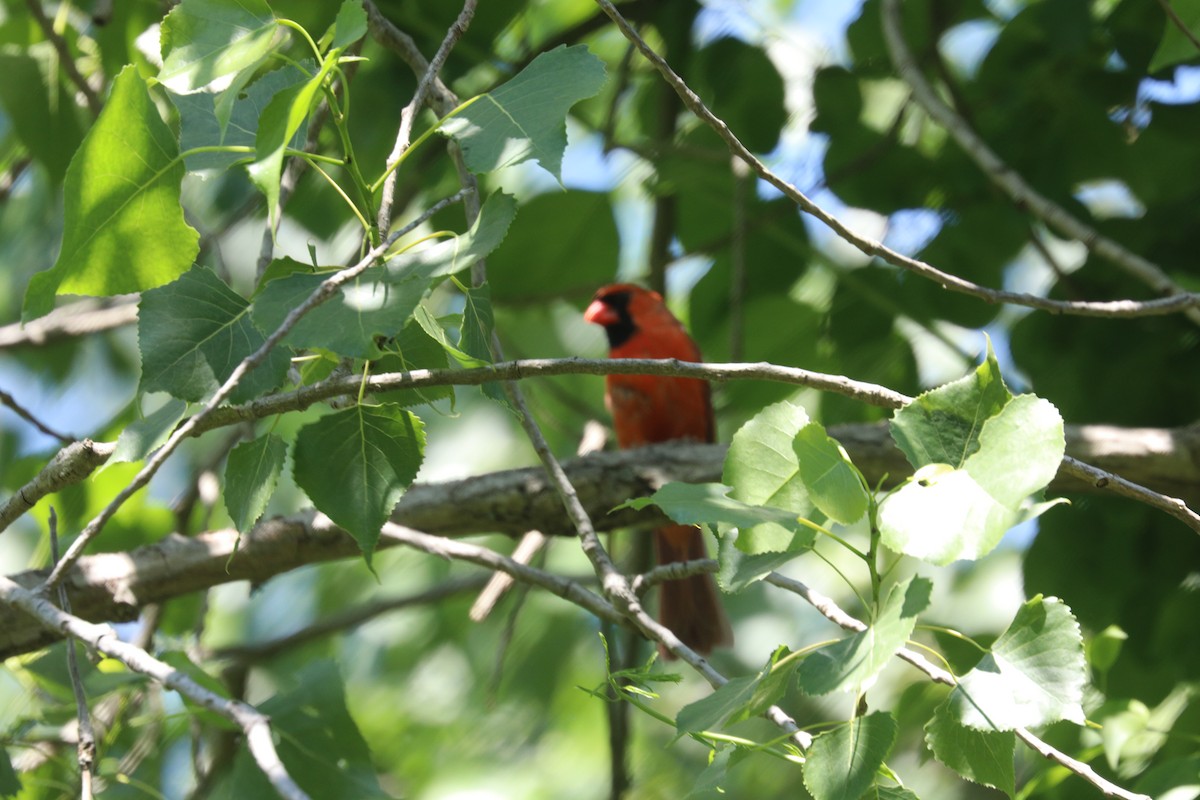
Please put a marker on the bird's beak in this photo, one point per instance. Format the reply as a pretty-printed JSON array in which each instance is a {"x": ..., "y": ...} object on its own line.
[{"x": 601, "y": 313}]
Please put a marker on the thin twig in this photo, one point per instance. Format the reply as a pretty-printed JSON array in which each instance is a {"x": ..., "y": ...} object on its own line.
[
  {"x": 77, "y": 461},
  {"x": 10, "y": 401},
  {"x": 593, "y": 439},
  {"x": 86, "y": 741},
  {"x": 568, "y": 589},
  {"x": 64, "y": 56},
  {"x": 399, "y": 42},
  {"x": 254, "y": 724},
  {"x": 1180, "y": 301},
  {"x": 1020, "y": 191},
  {"x": 1178, "y": 22},
  {"x": 409, "y": 114}
]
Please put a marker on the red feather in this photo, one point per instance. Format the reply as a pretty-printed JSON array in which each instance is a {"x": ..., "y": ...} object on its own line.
[{"x": 647, "y": 409}]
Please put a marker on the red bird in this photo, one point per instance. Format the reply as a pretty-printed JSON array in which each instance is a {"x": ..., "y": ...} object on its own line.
[{"x": 647, "y": 409}]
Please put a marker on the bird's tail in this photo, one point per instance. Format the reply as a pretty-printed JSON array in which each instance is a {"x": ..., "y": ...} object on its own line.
[{"x": 690, "y": 607}]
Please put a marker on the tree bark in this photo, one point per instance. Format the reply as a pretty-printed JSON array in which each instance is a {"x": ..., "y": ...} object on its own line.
[{"x": 113, "y": 587}]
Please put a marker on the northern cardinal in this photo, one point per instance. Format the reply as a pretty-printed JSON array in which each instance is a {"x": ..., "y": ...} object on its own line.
[{"x": 647, "y": 409}]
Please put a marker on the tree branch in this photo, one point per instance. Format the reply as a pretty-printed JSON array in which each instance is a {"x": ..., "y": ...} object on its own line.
[
  {"x": 75, "y": 319},
  {"x": 255, "y": 726},
  {"x": 70, "y": 465},
  {"x": 1016, "y": 188},
  {"x": 1180, "y": 301},
  {"x": 408, "y": 115},
  {"x": 114, "y": 586}
]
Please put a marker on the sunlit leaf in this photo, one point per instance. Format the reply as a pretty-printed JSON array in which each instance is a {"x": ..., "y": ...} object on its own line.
[
  {"x": 979, "y": 454},
  {"x": 525, "y": 117},
  {"x": 206, "y": 40},
  {"x": 123, "y": 228},
  {"x": 763, "y": 469},
  {"x": 1033, "y": 674},
  {"x": 833, "y": 484}
]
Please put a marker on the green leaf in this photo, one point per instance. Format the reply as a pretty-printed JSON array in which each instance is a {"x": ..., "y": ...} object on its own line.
[
  {"x": 350, "y": 323},
  {"x": 411, "y": 349},
  {"x": 739, "y": 569},
  {"x": 525, "y": 117},
  {"x": 279, "y": 122},
  {"x": 142, "y": 437},
  {"x": 355, "y": 464},
  {"x": 712, "y": 777},
  {"x": 710, "y": 504},
  {"x": 761, "y": 464},
  {"x": 435, "y": 329},
  {"x": 231, "y": 119},
  {"x": 741, "y": 698},
  {"x": 943, "y": 425},
  {"x": 763, "y": 469},
  {"x": 855, "y": 662},
  {"x": 1104, "y": 648},
  {"x": 1176, "y": 46},
  {"x": 192, "y": 334},
  {"x": 251, "y": 473},
  {"x": 319, "y": 743},
  {"x": 842, "y": 762},
  {"x": 203, "y": 41},
  {"x": 833, "y": 483},
  {"x": 350, "y": 25},
  {"x": 180, "y": 661},
  {"x": 979, "y": 453},
  {"x": 1033, "y": 674},
  {"x": 943, "y": 514},
  {"x": 476, "y": 337},
  {"x": 10, "y": 784},
  {"x": 450, "y": 256},
  {"x": 123, "y": 227},
  {"x": 379, "y": 302},
  {"x": 40, "y": 109},
  {"x": 985, "y": 757},
  {"x": 1132, "y": 734}
]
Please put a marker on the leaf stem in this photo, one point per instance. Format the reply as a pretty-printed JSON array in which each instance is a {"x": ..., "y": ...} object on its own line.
[
  {"x": 392, "y": 168},
  {"x": 296, "y": 26}
]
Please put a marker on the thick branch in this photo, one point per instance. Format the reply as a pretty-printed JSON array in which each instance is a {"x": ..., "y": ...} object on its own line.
[{"x": 113, "y": 586}]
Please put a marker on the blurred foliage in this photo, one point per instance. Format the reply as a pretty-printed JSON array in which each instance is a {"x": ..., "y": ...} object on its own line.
[{"x": 1085, "y": 100}]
